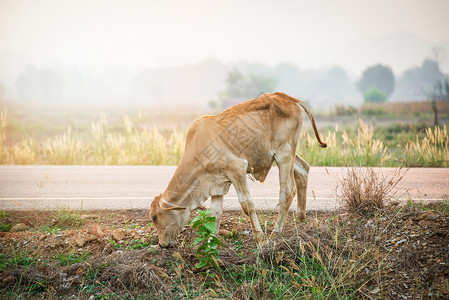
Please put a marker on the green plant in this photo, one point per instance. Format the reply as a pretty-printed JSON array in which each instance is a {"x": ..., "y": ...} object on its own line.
[
  {"x": 4, "y": 221},
  {"x": 207, "y": 251},
  {"x": 443, "y": 206},
  {"x": 65, "y": 219},
  {"x": 16, "y": 258},
  {"x": 71, "y": 258},
  {"x": 5, "y": 227}
]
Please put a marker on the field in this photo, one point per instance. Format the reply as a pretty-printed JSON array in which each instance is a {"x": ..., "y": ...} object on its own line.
[
  {"x": 398, "y": 252},
  {"x": 126, "y": 136},
  {"x": 378, "y": 249}
]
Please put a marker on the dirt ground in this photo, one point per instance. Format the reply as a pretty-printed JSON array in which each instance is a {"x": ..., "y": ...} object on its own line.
[{"x": 404, "y": 252}]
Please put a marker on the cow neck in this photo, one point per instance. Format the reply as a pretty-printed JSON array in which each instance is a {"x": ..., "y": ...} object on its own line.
[{"x": 187, "y": 189}]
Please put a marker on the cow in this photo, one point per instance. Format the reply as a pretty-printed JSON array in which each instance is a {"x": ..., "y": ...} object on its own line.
[{"x": 223, "y": 149}]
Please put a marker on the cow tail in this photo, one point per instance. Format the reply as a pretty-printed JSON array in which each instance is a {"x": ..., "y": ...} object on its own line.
[{"x": 312, "y": 120}]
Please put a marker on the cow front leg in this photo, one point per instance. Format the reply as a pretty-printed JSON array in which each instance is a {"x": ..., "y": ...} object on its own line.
[
  {"x": 216, "y": 209},
  {"x": 238, "y": 178},
  {"x": 286, "y": 193},
  {"x": 301, "y": 178}
]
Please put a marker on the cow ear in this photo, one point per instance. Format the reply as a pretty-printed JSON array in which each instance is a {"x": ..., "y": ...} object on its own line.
[{"x": 168, "y": 206}]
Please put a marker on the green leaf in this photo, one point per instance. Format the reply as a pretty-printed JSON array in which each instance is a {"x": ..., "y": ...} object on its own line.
[
  {"x": 210, "y": 227},
  {"x": 197, "y": 240},
  {"x": 195, "y": 219},
  {"x": 201, "y": 264}
]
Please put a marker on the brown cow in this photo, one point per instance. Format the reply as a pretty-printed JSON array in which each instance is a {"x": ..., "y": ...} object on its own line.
[{"x": 221, "y": 150}]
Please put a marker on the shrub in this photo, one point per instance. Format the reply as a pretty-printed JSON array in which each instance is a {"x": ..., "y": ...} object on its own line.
[{"x": 374, "y": 96}]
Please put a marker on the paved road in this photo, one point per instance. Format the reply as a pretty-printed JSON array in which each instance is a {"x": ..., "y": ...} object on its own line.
[{"x": 126, "y": 187}]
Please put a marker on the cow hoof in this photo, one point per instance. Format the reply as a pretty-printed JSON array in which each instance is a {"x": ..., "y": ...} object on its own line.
[
  {"x": 301, "y": 216},
  {"x": 260, "y": 238}
]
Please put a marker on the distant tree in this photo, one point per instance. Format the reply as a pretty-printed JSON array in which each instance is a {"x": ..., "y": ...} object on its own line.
[
  {"x": 438, "y": 92},
  {"x": 380, "y": 77},
  {"x": 236, "y": 85},
  {"x": 239, "y": 87},
  {"x": 374, "y": 95},
  {"x": 415, "y": 81},
  {"x": 338, "y": 74}
]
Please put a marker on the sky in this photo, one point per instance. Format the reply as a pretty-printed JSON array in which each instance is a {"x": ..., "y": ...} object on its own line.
[{"x": 141, "y": 34}]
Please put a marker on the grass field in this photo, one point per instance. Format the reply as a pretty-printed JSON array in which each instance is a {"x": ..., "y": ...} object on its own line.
[{"x": 133, "y": 137}]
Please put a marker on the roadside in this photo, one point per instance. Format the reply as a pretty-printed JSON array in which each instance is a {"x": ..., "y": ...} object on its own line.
[{"x": 399, "y": 252}]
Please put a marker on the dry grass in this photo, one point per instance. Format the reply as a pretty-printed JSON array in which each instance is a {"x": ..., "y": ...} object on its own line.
[
  {"x": 432, "y": 149},
  {"x": 364, "y": 191},
  {"x": 130, "y": 142}
]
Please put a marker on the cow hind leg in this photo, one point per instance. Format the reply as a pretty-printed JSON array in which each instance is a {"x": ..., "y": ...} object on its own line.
[
  {"x": 301, "y": 172},
  {"x": 286, "y": 193},
  {"x": 216, "y": 208}
]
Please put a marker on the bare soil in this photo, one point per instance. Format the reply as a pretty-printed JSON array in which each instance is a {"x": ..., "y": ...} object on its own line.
[{"x": 116, "y": 252}]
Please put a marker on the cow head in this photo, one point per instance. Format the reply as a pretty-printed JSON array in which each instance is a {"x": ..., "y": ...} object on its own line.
[{"x": 168, "y": 219}]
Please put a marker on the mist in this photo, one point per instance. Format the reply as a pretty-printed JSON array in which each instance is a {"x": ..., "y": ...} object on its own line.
[{"x": 145, "y": 53}]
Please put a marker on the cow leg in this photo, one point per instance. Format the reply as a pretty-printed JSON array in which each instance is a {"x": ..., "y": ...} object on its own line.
[
  {"x": 286, "y": 193},
  {"x": 301, "y": 176},
  {"x": 216, "y": 209},
  {"x": 238, "y": 178}
]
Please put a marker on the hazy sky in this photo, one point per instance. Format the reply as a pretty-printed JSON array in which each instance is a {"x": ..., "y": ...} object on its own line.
[{"x": 89, "y": 33}]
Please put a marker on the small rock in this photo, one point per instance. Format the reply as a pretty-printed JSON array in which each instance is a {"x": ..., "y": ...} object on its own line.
[
  {"x": 375, "y": 290},
  {"x": 18, "y": 227},
  {"x": 95, "y": 230},
  {"x": 118, "y": 235},
  {"x": 80, "y": 241},
  {"x": 87, "y": 217}
]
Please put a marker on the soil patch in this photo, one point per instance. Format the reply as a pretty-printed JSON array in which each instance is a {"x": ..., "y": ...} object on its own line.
[{"x": 396, "y": 253}]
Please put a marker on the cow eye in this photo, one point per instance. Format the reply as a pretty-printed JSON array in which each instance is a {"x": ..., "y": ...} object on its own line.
[{"x": 154, "y": 218}]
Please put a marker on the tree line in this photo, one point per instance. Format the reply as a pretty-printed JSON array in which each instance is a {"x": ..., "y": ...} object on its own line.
[{"x": 222, "y": 85}]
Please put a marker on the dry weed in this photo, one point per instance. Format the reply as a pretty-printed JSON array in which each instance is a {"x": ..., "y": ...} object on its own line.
[{"x": 364, "y": 191}]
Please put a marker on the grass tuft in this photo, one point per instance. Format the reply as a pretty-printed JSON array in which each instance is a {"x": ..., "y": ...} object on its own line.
[
  {"x": 365, "y": 191},
  {"x": 68, "y": 219}
]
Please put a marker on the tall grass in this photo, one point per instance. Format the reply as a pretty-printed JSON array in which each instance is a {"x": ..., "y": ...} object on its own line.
[
  {"x": 361, "y": 148},
  {"x": 131, "y": 144},
  {"x": 3, "y": 149},
  {"x": 134, "y": 146},
  {"x": 432, "y": 150}
]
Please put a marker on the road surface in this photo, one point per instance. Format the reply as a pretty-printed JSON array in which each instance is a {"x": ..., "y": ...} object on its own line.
[{"x": 133, "y": 187}]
